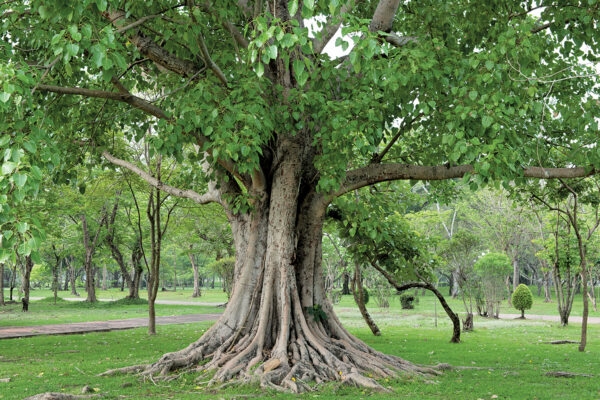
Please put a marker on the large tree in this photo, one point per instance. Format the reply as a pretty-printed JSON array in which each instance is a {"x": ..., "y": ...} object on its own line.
[{"x": 243, "y": 93}]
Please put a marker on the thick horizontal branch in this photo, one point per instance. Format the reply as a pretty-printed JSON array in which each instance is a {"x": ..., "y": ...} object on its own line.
[
  {"x": 210, "y": 197},
  {"x": 375, "y": 173},
  {"x": 128, "y": 98}
]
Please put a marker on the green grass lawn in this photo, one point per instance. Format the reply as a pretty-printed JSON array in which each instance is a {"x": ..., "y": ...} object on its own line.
[
  {"x": 426, "y": 304},
  {"x": 511, "y": 352},
  {"x": 208, "y": 295},
  {"x": 46, "y": 312}
]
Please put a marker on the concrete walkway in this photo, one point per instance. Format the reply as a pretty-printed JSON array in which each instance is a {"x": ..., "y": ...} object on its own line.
[
  {"x": 553, "y": 318},
  {"x": 11, "y": 332}
]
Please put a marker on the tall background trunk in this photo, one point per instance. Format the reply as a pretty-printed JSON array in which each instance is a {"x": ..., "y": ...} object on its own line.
[{"x": 1, "y": 284}]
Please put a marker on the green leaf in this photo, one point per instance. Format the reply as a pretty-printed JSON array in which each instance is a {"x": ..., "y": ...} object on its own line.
[
  {"x": 293, "y": 7},
  {"x": 473, "y": 94},
  {"x": 310, "y": 4},
  {"x": 20, "y": 179},
  {"x": 260, "y": 69},
  {"x": 101, "y": 4},
  {"x": 8, "y": 168},
  {"x": 43, "y": 11},
  {"x": 30, "y": 147},
  {"x": 72, "y": 49},
  {"x": 22, "y": 227},
  {"x": 272, "y": 51},
  {"x": 487, "y": 121},
  {"x": 4, "y": 97}
]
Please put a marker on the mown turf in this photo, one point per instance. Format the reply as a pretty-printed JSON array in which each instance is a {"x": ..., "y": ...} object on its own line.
[
  {"x": 43, "y": 312},
  {"x": 208, "y": 295},
  {"x": 512, "y": 354},
  {"x": 426, "y": 302}
]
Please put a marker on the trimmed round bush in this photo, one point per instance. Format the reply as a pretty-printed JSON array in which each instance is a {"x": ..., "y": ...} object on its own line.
[{"x": 522, "y": 299}]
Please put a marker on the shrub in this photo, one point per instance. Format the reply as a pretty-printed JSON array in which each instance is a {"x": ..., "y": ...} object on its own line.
[
  {"x": 522, "y": 299},
  {"x": 366, "y": 295},
  {"x": 407, "y": 300}
]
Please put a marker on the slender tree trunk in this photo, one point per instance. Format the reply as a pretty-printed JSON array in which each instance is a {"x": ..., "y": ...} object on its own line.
[
  {"x": 346, "y": 283},
  {"x": 73, "y": 278},
  {"x": 90, "y": 246},
  {"x": 65, "y": 286},
  {"x": 1, "y": 284},
  {"x": 26, "y": 284},
  {"x": 455, "y": 280},
  {"x": 175, "y": 274},
  {"x": 13, "y": 277},
  {"x": 516, "y": 275},
  {"x": 359, "y": 298},
  {"x": 104, "y": 277},
  {"x": 197, "y": 292},
  {"x": 585, "y": 313},
  {"x": 426, "y": 285}
]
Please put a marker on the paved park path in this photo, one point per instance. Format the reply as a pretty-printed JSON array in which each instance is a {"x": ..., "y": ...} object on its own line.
[{"x": 11, "y": 332}]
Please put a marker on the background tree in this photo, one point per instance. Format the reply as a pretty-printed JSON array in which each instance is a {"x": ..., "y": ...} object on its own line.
[{"x": 492, "y": 269}]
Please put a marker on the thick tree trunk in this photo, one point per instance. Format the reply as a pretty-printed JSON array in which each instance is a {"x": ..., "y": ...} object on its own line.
[
  {"x": 278, "y": 313},
  {"x": 197, "y": 292}
]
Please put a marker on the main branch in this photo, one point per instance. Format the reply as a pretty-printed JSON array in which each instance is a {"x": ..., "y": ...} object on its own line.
[{"x": 376, "y": 173}]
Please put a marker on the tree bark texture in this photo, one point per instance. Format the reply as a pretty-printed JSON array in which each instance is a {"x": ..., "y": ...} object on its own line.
[{"x": 267, "y": 333}]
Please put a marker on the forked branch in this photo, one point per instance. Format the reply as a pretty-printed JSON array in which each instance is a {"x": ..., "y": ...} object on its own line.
[{"x": 211, "y": 196}]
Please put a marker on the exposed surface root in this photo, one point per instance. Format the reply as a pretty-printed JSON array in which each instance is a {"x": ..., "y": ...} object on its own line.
[
  {"x": 562, "y": 374},
  {"x": 562, "y": 342},
  {"x": 308, "y": 359},
  {"x": 60, "y": 396}
]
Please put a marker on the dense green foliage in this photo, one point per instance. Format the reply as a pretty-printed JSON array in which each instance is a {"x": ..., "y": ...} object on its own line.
[{"x": 522, "y": 299}]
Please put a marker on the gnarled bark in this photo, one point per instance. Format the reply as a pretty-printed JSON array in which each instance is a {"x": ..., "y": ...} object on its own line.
[{"x": 278, "y": 327}]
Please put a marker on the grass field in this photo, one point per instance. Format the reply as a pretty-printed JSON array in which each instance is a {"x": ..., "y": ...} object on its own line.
[
  {"x": 512, "y": 353},
  {"x": 46, "y": 312},
  {"x": 426, "y": 302},
  {"x": 208, "y": 295}
]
